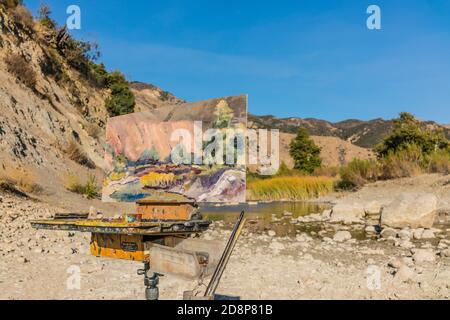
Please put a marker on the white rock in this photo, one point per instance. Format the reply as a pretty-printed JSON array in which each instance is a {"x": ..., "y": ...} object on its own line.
[
  {"x": 423, "y": 255},
  {"x": 287, "y": 213},
  {"x": 342, "y": 236},
  {"x": 372, "y": 208},
  {"x": 347, "y": 212},
  {"x": 445, "y": 253},
  {"x": 370, "y": 229},
  {"x": 428, "y": 234},
  {"x": 417, "y": 233},
  {"x": 405, "y": 274},
  {"x": 388, "y": 233},
  {"x": 410, "y": 210},
  {"x": 271, "y": 233},
  {"x": 404, "y": 234}
]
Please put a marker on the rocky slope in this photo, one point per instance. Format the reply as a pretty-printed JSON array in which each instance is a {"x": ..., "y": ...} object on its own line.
[{"x": 62, "y": 114}]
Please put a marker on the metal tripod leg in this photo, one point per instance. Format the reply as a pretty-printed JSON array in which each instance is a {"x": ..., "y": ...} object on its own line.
[{"x": 151, "y": 281}]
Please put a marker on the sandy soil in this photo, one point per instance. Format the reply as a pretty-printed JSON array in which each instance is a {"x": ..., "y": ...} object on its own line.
[{"x": 39, "y": 264}]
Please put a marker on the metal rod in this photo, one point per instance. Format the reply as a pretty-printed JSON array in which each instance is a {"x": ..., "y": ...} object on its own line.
[{"x": 215, "y": 279}]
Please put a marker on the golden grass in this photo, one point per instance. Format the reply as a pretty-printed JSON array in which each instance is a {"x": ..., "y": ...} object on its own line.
[
  {"x": 23, "y": 179},
  {"x": 289, "y": 188},
  {"x": 155, "y": 179}
]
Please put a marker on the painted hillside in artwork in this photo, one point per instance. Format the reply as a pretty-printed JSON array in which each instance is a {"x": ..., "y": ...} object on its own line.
[{"x": 139, "y": 149}]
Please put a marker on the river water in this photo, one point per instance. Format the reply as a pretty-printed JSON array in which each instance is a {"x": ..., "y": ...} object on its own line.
[{"x": 267, "y": 216}]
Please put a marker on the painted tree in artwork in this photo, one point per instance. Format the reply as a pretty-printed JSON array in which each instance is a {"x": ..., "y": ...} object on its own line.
[
  {"x": 224, "y": 115},
  {"x": 149, "y": 155}
]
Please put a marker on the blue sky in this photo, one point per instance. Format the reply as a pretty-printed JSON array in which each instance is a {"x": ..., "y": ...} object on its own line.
[{"x": 293, "y": 58}]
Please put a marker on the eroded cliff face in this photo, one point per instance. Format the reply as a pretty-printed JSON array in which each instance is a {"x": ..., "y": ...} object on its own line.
[{"x": 62, "y": 110}]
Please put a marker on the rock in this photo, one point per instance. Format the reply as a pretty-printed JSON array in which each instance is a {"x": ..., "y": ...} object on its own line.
[
  {"x": 405, "y": 274},
  {"x": 347, "y": 212},
  {"x": 443, "y": 244},
  {"x": 417, "y": 233},
  {"x": 342, "y": 236},
  {"x": 428, "y": 234},
  {"x": 287, "y": 213},
  {"x": 370, "y": 229},
  {"x": 396, "y": 263},
  {"x": 423, "y": 255},
  {"x": 410, "y": 210},
  {"x": 372, "y": 208},
  {"x": 271, "y": 233},
  {"x": 326, "y": 214},
  {"x": 405, "y": 243},
  {"x": 388, "y": 233},
  {"x": 303, "y": 238},
  {"x": 445, "y": 253},
  {"x": 404, "y": 234}
]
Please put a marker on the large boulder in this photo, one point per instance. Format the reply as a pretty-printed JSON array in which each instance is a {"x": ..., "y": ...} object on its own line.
[
  {"x": 410, "y": 210},
  {"x": 347, "y": 212}
]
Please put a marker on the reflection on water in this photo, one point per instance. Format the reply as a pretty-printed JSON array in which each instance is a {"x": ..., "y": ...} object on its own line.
[{"x": 267, "y": 216}]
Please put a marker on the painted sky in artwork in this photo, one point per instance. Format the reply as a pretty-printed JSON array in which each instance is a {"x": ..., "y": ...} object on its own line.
[{"x": 139, "y": 154}]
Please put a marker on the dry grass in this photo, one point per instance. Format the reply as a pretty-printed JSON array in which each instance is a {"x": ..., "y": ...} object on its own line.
[
  {"x": 93, "y": 130},
  {"x": 89, "y": 188},
  {"x": 21, "y": 69},
  {"x": 23, "y": 17},
  {"x": 289, "y": 188},
  {"x": 22, "y": 179},
  {"x": 75, "y": 153},
  {"x": 357, "y": 173},
  {"x": 402, "y": 164},
  {"x": 439, "y": 162}
]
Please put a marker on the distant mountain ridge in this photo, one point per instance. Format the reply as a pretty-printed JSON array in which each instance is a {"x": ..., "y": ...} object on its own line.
[{"x": 366, "y": 134}]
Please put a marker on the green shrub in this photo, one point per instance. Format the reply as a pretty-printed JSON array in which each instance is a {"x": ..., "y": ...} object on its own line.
[
  {"x": 410, "y": 131},
  {"x": 89, "y": 189},
  {"x": 357, "y": 173}
]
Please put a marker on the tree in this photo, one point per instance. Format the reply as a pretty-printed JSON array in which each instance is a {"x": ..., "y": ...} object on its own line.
[
  {"x": 305, "y": 153},
  {"x": 408, "y": 131},
  {"x": 122, "y": 100},
  {"x": 149, "y": 156},
  {"x": 224, "y": 115}
]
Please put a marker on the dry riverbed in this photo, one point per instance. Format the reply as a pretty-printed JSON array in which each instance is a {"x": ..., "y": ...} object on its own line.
[{"x": 332, "y": 262}]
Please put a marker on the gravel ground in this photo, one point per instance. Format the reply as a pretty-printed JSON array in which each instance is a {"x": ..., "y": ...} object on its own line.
[{"x": 42, "y": 264}]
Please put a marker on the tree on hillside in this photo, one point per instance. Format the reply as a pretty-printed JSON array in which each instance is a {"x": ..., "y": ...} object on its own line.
[
  {"x": 409, "y": 131},
  {"x": 305, "y": 153},
  {"x": 122, "y": 100}
]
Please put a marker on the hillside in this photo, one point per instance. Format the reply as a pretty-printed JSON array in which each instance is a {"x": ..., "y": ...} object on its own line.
[
  {"x": 365, "y": 134},
  {"x": 334, "y": 151},
  {"x": 52, "y": 115}
]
